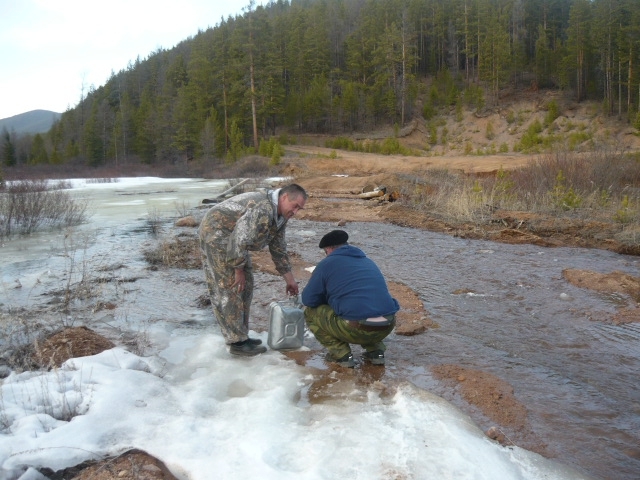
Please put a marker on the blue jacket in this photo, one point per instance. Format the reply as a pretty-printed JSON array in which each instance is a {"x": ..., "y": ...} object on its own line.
[{"x": 351, "y": 284}]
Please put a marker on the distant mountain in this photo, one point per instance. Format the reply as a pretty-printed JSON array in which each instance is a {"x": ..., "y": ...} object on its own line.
[{"x": 35, "y": 121}]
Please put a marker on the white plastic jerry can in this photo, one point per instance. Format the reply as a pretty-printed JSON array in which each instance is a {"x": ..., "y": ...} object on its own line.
[{"x": 286, "y": 325}]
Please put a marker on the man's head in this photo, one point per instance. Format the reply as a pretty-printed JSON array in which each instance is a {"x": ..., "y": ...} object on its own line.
[
  {"x": 333, "y": 240},
  {"x": 291, "y": 199}
]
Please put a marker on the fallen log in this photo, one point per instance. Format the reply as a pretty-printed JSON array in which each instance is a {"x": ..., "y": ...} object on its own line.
[
  {"x": 371, "y": 191},
  {"x": 373, "y": 194},
  {"x": 220, "y": 197}
]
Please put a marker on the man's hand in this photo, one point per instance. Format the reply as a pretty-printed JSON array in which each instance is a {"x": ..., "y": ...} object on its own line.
[
  {"x": 240, "y": 280},
  {"x": 292, "y": 285}
]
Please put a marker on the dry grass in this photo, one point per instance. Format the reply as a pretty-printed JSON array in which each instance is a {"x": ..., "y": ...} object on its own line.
[
  {"x": 177, "y": 252},
  {"x": 601, "y": 185},
  {"x": 69, "y": 343},
  {"x": 18, "y": 332}
]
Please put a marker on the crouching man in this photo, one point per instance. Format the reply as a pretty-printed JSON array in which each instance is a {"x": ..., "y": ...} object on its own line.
[{"x": 347, "y": 302}]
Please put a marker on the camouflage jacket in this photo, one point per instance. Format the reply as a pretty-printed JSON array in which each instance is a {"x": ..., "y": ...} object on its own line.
[{"x": 246, "y": 222}]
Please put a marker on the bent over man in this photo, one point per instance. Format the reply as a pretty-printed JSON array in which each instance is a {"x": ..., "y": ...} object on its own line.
[
  {"x": 347, "y": 302},
  {"x": 228, "y": 232}
]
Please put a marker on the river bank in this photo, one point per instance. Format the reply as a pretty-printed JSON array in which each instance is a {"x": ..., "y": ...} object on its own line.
[{"x": 483, "y": 388}]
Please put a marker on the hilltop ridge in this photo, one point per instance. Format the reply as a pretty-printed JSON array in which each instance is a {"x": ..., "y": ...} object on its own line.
[{"x": 34, "y": 121}]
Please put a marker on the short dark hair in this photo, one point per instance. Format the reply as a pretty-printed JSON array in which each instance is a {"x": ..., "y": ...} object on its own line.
[{"x": 294, "y": 190}]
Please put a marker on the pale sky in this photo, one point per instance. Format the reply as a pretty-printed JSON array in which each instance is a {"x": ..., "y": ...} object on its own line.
[{"x": 49, "y": 49}]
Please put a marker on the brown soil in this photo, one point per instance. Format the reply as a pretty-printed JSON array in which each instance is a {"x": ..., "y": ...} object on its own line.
[
  {"x": 494, "y": 398},
  {"x": 316, "y": 171},
  {"x": 614, "y": 282},
  {"x": 131, "y": 465}
]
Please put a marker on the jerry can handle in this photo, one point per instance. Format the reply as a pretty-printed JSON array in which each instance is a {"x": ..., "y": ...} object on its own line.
[{"x": 296, "y": 300}]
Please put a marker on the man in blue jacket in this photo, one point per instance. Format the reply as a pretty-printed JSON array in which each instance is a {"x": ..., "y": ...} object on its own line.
[{"x": 347, "y": 302}]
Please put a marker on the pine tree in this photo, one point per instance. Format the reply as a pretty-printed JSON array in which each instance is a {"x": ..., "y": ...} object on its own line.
[
  {"x": 144, "y": 126},
  {"x": 212, "y": 137},
  {"x": 236, "y": 146},
  {"x": 38, "y": 151},
  {"x": 578, "y": 46},
  {"x": 494, "y": 46},
  {"x": 9, "y": 157}
]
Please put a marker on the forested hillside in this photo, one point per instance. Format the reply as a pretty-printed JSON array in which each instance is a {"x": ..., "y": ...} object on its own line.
[{"x": 339, "y": 66}]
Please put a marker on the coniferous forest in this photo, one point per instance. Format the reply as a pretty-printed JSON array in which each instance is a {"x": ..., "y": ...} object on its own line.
[{"x": 339, "y": 66}]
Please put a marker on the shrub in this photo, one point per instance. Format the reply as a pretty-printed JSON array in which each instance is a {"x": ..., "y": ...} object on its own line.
[
  {"x": 553, "y": 112},
  {"x": 433, "y": 133},
  {"x": 285, "y": 139},
  {"x": 390, "y": 146},
  {"x": 263, "y": 149},
  {"x": 489, "y": 133},
  {"x": 272, "y": 149},
  {"x": 434, "y": 96},
  {"x": 428, "y": 111},
  {"x": 459, "y": 113},
  {"x": 27, "y": 205},
  {"x": 576, "y": 138},
  {"x": 503, "y": 187},
  {"x": 476, "y": 191},
  {"x": 626, "y": 213},
  {"x": 531, "y": 138},
  {"x": 474, "y": 97},
  {"x": 342, "y": 143},
  {"x": 565, "y": 197},
  {"x": 444, "y": 135},
  {"x": 251, "y": 166},
  {"x": 468, "y": 148},
  {"x": 276, "y": 153}
]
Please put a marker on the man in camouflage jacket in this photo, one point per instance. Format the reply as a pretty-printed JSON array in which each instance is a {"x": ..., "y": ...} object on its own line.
[{"x": 228, "y": 232}]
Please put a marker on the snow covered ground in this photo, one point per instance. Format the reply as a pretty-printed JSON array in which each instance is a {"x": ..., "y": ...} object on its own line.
[{"x": 208, "y": 415}]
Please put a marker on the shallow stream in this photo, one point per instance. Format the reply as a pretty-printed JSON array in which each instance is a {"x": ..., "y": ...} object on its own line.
[
  {"x": 504, "y": 309},
  {"x": 507, "y": 310}
]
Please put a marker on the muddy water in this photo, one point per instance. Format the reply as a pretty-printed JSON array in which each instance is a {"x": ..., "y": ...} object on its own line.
[{"x": 507, "y": 310}]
